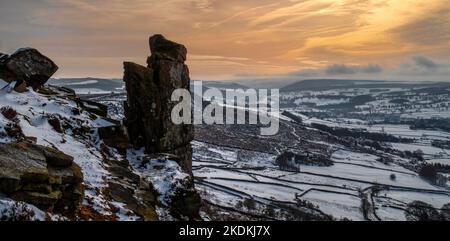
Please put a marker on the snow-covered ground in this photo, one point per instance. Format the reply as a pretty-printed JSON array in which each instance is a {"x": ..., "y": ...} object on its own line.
[
  {"x": 336, "y": 189},
  {"x": 34, "y": 110}
]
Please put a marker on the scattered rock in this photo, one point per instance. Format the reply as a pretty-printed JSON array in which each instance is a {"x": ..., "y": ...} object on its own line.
[
  {"x": 53, "y": 120},
  {"x": 123, "y": 172},
  {"x": 31, "y": 139},
  {"x": 8, "y": 112},
  {"x": 93, "y": 107},
  {"x": 46, "y": 91},
  {"x": 67, "y": 92},
  {"x": 120, "y": 193},
  {"x": 14, "y": 130},
  {"x": 114, "y": 136},
  {"x": 140, "y": 200}
]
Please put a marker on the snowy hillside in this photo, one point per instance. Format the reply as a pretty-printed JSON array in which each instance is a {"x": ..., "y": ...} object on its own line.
[{"x": 55, "y": 119}]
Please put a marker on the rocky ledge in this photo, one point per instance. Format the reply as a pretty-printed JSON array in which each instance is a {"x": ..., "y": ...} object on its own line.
[{"x": 42, "y": 176}]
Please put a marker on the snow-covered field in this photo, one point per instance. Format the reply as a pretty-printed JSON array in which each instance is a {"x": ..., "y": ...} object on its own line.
[{"x": 336, "y": 190}]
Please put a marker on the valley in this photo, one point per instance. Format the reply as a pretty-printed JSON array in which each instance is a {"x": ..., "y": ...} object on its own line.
[{"x": 375, "y": 144}]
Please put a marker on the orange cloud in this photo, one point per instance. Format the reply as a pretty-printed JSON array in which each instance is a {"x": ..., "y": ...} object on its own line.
[{"x": 228, "y": 38}]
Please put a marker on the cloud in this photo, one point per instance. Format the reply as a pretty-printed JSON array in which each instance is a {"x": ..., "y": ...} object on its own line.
[
  {"x": 424, "y": 68},
  {"x": 215, "y": 57},
  {"x": 430, "y": 30},
  {"x": 372, "y": 69},
  {"x": 233, "y": 37},
  {"x": 339, "y": 69},
  {"x": 417, "y": 68},
  {"x": 425, "y": 62},
  {"x": 307, "y": 73}
]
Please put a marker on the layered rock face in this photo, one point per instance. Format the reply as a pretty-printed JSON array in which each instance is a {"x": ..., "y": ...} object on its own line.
[
  {"x": 28, "y": 67},
  {"x": 42, "y": 176},
  {"x": 148, "y": 107}
]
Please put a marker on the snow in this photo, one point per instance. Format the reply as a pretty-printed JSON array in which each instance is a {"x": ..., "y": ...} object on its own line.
[
  {"x": 3, "y": 83},
  {"x": 396, "y": 130},
  {"x": 427, "y": 114},
  {"x": 445, "y": 161},
  {"x": 340, "y": 205},
  {"x": 371, "y": 175},
  {"x": 33, "y": 109},
  {"x": 427, "y": 150},
  {"x": 436, "y": 200},
  {"x": 21, "y": 50},
  {"x": 260, "y": 190},
  {"x": 165, "y": 175},
  {"x": 86, "y": 82},
  {"x": 320, "y": 101},
  {"x": 387, "y": 213},
  {"x": 334, "y": 189},
  {"x": 85, "y": 91},
  {"x": 11, "y": 210},
  {"x": 211, "y": 153},
  {"x": 345, "y": 156},
  {"x": 123, "y": 213}
]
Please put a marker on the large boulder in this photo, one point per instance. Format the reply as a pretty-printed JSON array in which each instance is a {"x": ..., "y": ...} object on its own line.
[
  {"x": 148, "y": 107},
  {"x": 30, "y": 66},
  {"x": 42, "y": 176}
]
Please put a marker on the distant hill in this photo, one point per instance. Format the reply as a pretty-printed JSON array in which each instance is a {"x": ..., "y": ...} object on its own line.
[
  {"x": 328, "y": 84},
  {"x": 323, "y": 84},
  {"x": 90, "y": 85},
  {"x": 222, "y": 85}
]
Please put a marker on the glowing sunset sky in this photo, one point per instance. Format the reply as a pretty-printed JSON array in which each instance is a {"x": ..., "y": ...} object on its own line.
[{"x": 226, "y": 39}]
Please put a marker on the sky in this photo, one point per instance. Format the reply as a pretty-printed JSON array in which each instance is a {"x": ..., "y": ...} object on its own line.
[{"x": 235, "y": 39}]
